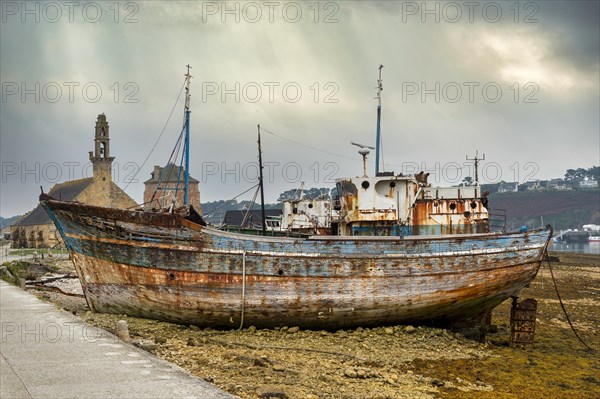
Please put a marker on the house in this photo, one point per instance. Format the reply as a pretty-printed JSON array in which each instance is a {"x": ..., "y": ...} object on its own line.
[
  {"x": 534, "y": 185},
  {"x": 167, "y": 184},
  {"x": 558, "y": 184},
  {"x": 511, "y": 187},
  {"x": 36, "y": 230},
  {"x": 589, "y": 183}
]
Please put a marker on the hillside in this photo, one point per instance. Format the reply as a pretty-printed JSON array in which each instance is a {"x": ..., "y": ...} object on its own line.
[
  {"x": 568, "y": 209},
  {"x": 5, "y": 222}
]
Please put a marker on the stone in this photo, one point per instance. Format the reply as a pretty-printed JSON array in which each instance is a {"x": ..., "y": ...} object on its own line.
[
  {"x": 122, "y": 330},
  {"x": 191, "y": 342},
  {"x": 437, "y": 383},
  {"x": 271, "y": 392},
  {"x": 148, "y": 345},
  {"x": 350, "y": 373},
  {"x": 409, "y": 329},
  {"x": 278, "y": 367},
  {"x": 361, "y": 373},
  {"x": 252, "y": 329},
  {"x": 388, "y": 330},
  {"x": 160, "y": 340},
  {"x": 293, "y": 330}
]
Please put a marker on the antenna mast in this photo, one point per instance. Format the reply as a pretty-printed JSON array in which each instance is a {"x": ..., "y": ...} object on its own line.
[
  {"x": 186, "y": 146},
  {"x": 378, "y": 136},
  {"x": 476, "y": 160}
]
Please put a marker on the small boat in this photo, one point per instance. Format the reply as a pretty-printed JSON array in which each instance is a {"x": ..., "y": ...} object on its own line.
[
  {"x": 593, "y": 239},
  {"x": 398, "y": 250}
]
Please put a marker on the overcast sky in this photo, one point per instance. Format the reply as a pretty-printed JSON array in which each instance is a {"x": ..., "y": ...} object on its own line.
[{"x": 516, "y": 81}]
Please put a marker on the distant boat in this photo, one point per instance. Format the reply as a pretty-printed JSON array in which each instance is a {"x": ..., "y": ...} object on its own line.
[
  {"x": 593, "y": 239},
  {"x": 399, "y": 250}
]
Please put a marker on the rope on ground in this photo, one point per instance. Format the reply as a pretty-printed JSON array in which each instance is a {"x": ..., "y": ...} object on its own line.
[{"x": 563, "y": 306}]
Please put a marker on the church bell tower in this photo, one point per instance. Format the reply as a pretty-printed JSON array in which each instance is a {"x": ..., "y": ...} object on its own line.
[{"x": 100, "y": 157}]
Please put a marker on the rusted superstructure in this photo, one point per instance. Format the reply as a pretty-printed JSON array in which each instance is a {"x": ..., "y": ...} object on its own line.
[
  {"x": 164, "y": 266},
  {"x": 408, "y": 205}
]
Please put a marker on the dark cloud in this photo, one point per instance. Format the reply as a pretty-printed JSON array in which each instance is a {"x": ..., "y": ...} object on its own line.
[{"x": 151, "y": 55}]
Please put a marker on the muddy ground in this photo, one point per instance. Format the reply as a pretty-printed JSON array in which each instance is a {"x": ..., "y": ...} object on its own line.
[{"x": 390, "y": 361}]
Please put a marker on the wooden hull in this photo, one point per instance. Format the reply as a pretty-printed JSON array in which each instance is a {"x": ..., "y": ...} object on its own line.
[{"x": 165, "y": 267}]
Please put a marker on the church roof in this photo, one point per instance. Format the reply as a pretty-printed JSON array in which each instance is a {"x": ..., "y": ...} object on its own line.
[
  {"x": 169, "y": 174},
  {"x": 66, "y": 191}
]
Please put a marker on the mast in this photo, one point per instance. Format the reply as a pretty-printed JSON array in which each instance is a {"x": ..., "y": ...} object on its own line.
[
  {"x": 186, "y": 147},
  {"x": 262, "y": 191},
  {"x": 476, "y": 160},
  {"x": 378, "y": 136}
]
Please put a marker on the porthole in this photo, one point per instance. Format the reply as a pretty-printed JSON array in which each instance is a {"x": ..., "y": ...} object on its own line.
[{"x": 365, "y": 184}]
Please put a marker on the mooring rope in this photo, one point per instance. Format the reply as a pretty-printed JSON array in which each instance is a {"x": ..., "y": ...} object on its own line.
[{"x": 563, "y": 306}]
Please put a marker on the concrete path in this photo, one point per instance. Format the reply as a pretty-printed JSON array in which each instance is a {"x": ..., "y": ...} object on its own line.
[{"x": 46, "y": 352}]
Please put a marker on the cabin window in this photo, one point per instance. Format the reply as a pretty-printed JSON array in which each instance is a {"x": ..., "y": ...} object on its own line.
[
  {"x": 453, "y": 206},
  {"x": 365, "y": 184},
  {"x": 473, "y": 205},
  {"x": 273, "y": 223}
]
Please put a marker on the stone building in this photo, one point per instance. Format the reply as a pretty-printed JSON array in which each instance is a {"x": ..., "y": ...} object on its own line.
[
  {"x": 170, "y": 183},
  {"x": 36, "y": 230}
]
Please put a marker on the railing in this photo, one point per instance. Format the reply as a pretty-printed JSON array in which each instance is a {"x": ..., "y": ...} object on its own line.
[{"x": 497, "y": 219}]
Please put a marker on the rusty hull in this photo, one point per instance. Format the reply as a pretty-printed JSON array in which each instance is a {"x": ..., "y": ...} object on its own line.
[{"x": 165, "y": 267}]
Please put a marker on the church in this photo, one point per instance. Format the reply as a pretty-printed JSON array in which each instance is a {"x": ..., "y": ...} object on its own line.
[{"x": 36, "y": 230}]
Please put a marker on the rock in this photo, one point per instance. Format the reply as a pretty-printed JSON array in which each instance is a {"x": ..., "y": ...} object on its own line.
[
  {"x": 271, "y": 392},
  {"x": 191, "y": 342},
  {"x": 350, "y": 373},
  {"x": 148, "y": 345},
  {"x": 252, "y": 329},
  {"x": 278, "y": 367},
  {"x": 160, "y": 340},
  {"x": 437, "y": 383},
  {"x": 293, "y": 330},
  {"x": 409, "y": 329},
  {"x": 361, "y": 373},
  {"x": 122, "y": 330},
  {"x": 259, "y": 361},
  {"x": 388, "y": 330},
  {"x": 194, "y": 328}
]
